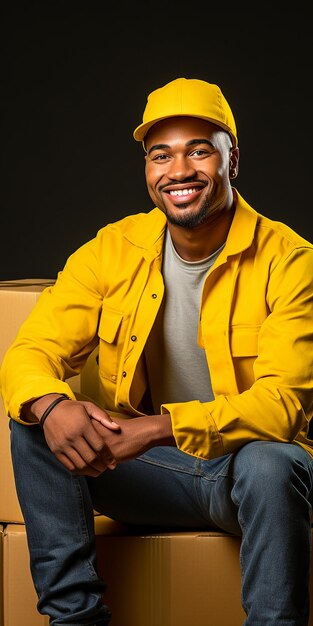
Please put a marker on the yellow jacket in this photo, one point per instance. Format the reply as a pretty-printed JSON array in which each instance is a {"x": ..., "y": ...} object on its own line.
[{"x": 256, "y": 326}]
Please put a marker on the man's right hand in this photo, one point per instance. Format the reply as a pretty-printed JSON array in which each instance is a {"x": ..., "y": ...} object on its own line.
[{"x": 73, "y": 439}]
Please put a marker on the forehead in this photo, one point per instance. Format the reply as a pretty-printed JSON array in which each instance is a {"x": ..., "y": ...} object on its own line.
[{"x": 181, "y": 129}]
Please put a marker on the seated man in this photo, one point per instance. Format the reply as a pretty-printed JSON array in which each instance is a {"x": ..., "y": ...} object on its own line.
[{"x": 202, "y": 311}]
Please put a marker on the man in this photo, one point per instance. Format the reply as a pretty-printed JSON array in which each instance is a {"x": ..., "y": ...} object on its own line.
[{"x": 202, "y": 310}]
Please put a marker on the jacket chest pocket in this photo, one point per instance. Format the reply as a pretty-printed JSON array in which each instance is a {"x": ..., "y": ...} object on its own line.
[
  {"x": 244, "y": 340},
  {"x": 111, "y": 335}
]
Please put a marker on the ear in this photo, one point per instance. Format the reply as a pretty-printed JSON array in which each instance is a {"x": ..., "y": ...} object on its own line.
[{"x": 233, "y": 163}]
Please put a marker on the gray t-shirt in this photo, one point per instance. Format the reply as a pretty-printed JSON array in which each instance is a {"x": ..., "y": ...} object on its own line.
[{"x": 176, "y": 365}]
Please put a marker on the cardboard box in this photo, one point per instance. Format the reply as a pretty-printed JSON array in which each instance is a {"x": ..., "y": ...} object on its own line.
[
  {"x": 1, "y": 575},
  {"x": 171, "y": 579},
  {"x": 164, "y": 579},
  {"x": 17, "y": 298},
  {"x": 10, "y": 510},
  {"x": 175, "y": 579},
  {"x": 20, "y": 599}
]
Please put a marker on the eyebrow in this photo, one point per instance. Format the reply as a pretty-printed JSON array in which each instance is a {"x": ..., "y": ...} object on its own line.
[{"x": 192, "y": 142}]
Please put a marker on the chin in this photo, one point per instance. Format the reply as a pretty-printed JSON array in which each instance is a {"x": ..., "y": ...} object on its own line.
[{"x": 186, "y": 218}]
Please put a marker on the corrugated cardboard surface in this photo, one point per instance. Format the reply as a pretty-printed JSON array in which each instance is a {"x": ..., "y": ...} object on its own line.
[
  {"x": 17, "y": 298},
  {"x": 20, "y": 598},
  {"x": 160, "y": 579},
  {"x": 1, "y": 575},
  {"x": 176, "y": 579},
  {"x": 152, "y": 580},
  {"x": 10, "y": 510}
]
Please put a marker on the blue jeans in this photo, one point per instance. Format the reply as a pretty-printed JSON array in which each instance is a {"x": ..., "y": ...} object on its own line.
[{"x": 262, "y": 493}]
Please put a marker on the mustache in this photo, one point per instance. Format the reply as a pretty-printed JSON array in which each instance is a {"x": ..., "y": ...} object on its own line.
[{"x": 184, "y": 181}]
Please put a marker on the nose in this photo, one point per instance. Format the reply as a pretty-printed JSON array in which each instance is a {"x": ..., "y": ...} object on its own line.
[{"x": 180, "y": 168}]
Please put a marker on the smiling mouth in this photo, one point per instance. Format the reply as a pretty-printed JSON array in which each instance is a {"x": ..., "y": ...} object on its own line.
[{"x": 183, "y": 192}]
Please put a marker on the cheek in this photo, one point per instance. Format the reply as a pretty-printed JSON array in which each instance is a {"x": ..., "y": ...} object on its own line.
[
  {"x": 151, "y": 188},
  {"x": 149, "y": 185},
  {"x": 152, "y": 178},
  {"x": 148, "y": 175}
]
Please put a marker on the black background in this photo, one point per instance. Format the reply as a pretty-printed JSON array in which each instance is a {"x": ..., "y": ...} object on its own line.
[{"x": 74, "y": 82}]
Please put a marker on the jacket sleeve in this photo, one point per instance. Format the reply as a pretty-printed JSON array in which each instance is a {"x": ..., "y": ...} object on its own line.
[
  {"x": 279, "y": 404},
  {"x": 56, "y": 339}
]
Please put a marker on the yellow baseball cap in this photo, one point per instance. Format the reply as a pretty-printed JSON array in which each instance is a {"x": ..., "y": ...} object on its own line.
[{"x": 191, "y": 97}]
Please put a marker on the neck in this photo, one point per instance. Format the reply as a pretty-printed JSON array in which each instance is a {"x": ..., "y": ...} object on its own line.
[{"x": 200, "y": 242}]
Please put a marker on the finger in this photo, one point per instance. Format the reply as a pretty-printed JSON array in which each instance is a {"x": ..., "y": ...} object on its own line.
[
  {"x": 76, "y": 465},
  {"x": 98, "y": 456},
  {"x": 101, "y": 416},
  {"x": 95, "y": 438},
  {"x": 70, "y": 465},
  {"x": 83, "y": 458},
  {"x": 105, "y": 422}
]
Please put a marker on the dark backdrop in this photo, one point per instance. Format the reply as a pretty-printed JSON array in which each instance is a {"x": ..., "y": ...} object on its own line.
[{"x": 74, "y": 82}]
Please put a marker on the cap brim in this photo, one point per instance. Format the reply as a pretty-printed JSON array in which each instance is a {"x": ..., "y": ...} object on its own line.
[{"x": 141, "y": 130}]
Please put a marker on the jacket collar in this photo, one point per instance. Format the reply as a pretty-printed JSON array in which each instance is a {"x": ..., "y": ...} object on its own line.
[
  {"x": 241, "y": 232},
  {"x": 147, "y": 229}
]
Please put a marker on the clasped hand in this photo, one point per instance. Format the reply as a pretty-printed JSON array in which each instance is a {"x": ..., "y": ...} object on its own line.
[{"x": 87, "y": 441}]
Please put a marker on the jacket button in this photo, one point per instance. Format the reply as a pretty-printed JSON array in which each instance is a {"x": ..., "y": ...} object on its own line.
[
  {"x": 113, "y": 377},
  {"x": 133, "y": 338},
  {"x": 124, "y": 374},
  {"x": 154, "y": 295}
]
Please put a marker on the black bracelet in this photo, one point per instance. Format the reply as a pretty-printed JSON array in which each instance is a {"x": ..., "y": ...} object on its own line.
[{"x": 50, "y": 407}]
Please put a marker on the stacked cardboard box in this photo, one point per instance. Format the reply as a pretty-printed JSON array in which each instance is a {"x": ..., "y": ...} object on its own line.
[{"x": 1, "y": 575}]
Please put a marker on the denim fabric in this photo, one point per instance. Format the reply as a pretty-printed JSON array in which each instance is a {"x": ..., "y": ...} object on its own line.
[
  {"x": 262, "y": 493},
  {"x": 58, "y": 516}
]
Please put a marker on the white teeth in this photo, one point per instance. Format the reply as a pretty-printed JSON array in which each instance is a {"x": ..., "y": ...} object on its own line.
[{"x": 182, "y": 192}]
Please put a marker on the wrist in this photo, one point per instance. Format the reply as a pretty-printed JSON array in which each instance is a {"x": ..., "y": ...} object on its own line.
[
  {"x": 51, "y": 406},
  {"x": 36, "y": 408},
  {"x": 162, "y": 432}
]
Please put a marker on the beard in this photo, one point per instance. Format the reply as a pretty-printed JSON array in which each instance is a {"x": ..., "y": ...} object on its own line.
[{"x": 186, "y": 219}]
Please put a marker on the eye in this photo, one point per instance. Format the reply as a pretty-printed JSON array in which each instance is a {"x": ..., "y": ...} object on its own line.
[
  {"x": 200, "y": 152},
  {"x": 160, "y": 157}
]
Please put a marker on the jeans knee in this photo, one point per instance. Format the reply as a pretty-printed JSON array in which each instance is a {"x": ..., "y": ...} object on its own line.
[{"x": 266, "y": 464}]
